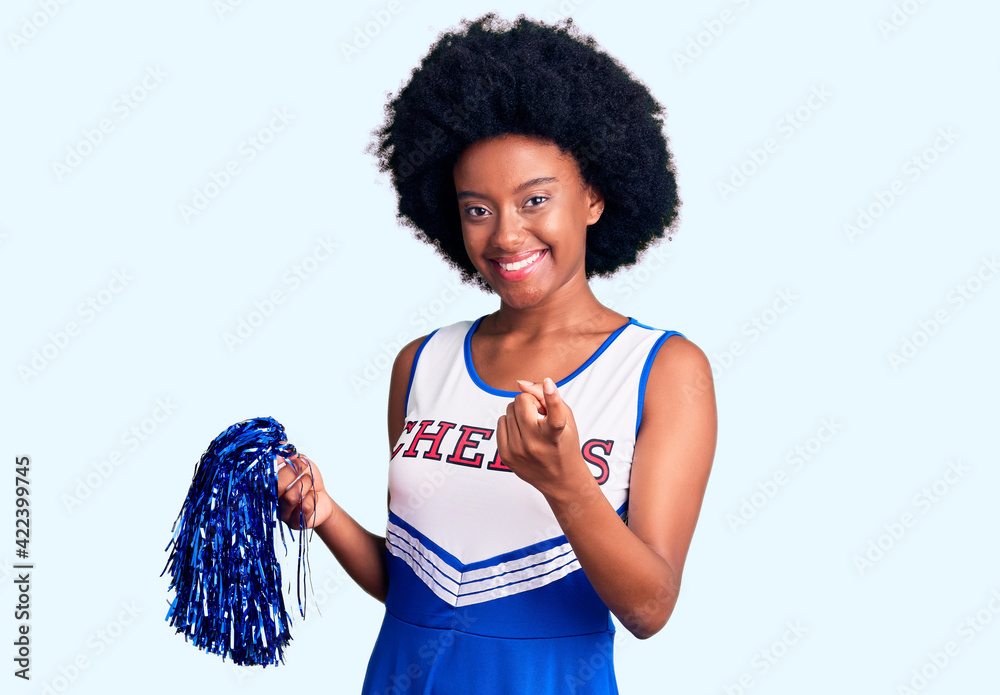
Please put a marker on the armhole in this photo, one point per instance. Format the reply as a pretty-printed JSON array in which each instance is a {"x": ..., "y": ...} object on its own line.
[
  {"x": 623, "y": 511},
  {"x": 413, "y": 370},
  {"x": 645, "y": 374}
]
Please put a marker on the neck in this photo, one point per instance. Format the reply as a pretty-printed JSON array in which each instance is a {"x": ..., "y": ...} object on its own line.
[{"x": 573, "y": 308}]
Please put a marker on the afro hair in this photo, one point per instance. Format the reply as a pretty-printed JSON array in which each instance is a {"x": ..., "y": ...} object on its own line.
[{"x": 532, "y": 79}]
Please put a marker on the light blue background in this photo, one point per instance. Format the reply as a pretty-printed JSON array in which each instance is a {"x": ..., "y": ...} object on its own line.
[{"x": 825, "y": 356}]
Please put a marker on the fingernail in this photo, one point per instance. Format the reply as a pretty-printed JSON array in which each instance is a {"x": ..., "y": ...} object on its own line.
[
  {"x": 294, "y": 481},
  {"x": 549, "y": 386},
  {"x": 522, "y": 381}
]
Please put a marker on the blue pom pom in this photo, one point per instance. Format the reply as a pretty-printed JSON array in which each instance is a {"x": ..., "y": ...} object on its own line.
[{"x": 227, "y": 579}]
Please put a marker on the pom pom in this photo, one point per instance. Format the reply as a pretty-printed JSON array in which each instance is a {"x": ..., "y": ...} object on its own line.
[{"x": 227, "y": 579}]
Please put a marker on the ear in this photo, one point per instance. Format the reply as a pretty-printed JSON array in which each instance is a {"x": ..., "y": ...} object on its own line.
[{"x": 596, "y": 206}]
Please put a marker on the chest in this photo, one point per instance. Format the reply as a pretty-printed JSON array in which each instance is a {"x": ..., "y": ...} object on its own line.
[{"x": 499, "y": 364}]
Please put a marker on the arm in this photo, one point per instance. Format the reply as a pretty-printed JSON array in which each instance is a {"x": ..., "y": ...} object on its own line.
[
  {"x": 361, "y": 553},
  {"x": 636, "y": 569}
]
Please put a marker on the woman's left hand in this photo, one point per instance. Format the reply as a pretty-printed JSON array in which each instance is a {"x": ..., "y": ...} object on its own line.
[{"x": 538, "y": 439}]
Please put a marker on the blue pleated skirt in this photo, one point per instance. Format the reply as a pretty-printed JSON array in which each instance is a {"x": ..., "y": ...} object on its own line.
[{"x": 415, "y": 660}]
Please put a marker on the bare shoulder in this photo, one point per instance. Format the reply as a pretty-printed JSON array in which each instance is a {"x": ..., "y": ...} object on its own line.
[
  {"x": 674, "y": 450},
  {"x": 398, "y": 384},
  {"x": 681, "y": 373},
  {"x": 403, "y": 363}
]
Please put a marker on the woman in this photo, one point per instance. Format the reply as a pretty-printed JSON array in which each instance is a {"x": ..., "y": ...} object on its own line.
[{"x": 521, "y": 442}]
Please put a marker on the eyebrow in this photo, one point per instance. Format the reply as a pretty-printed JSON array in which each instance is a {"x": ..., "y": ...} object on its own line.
[{"x": 526, "y": 184}]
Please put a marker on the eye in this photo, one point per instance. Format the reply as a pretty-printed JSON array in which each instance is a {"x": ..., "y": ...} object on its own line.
[
  {"x": 480, "y": 211},
  {"x": 540, "y": 198}
]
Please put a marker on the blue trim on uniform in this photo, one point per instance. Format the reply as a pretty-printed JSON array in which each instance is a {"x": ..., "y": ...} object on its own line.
[
  {"x": 509, "y": 583},
  {"x": 455, "y": 563},
  {"x": 414, "y": 553},
  {"x": 471, "y": 369},
  {"x": 642, "y": 325},
  {"x": 529, "y": 612},
  {"x": 645, "y": 373},
  {"x": 565, "y": 606},
  {"x": 428, "y": 543},
  {"x": 413, "y": 369},
  {"x": 517, "y": 554}
]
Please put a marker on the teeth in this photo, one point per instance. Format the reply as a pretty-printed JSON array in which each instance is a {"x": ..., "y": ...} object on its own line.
[{"x": 517, "y": 266}]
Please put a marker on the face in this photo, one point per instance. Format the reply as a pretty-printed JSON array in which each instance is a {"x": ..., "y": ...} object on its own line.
[{"x": 525, "y": 210}]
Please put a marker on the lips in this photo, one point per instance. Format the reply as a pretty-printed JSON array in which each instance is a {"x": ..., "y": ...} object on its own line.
[{"x": 519, "y": 266}]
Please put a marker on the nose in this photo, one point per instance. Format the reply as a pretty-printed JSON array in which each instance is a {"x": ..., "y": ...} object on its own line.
[{"x": 508, "y": 232}]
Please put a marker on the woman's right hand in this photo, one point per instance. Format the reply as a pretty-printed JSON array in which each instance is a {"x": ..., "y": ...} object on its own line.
[{"x": 301, "y": 493}]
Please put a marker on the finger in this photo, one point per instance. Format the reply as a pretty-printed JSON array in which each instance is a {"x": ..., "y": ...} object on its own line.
[
  {"x": 502, "y": 436},
  {"x": 297, "y": 478},
  {"x": 509, "y": 434},
  {"x": 514, "y": 433},
  {"x": 294, "y": 465},
  {"x": 286, "y": 469},
  {"x": 300, "y": 515},
  {"x": 310, "y": 508},
  {"x": 528, "y": 412},
  {"x": 289, "y": 512},
  {"x": 296, "y": 518},
  {"x": 310, "y": 500},
  {"x": 315, "y": 479},
  {"x": 296, "y": 490},
  {"x": 536, "y": 402},
  {"x": 558, "y": 411},
  {"x": 280, "y": 461},
  {"x": 296, "y": 509},
  {"x": 535, "y": 390}
]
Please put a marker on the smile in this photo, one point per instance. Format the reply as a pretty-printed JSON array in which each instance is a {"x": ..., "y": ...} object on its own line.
[
  {"x": 519, "y": 269},
  {"x": 509, "y": 267}
]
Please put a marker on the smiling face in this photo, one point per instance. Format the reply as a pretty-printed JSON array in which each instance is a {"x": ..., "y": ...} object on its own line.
[{"x": 525, "y": 210}]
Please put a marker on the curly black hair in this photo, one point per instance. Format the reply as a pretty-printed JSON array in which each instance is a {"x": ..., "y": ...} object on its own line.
[{"x": 529, "y": 78}]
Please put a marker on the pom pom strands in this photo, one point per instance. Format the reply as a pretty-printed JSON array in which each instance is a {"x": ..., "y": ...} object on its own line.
[{"x": 227, "y": 577}]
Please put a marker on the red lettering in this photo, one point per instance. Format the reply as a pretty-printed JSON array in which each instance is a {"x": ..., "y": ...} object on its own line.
[
  {"x": 592, "y": 458},
  {"x": 408, "y": 427},
  {"x": 435, "y": 439},
  {"x": 465, "y": 441},
  {"x": 496, "y": 464}
]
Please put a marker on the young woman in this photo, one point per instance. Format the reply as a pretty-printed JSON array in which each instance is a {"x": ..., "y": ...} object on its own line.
[{"x": 547, "y": 461}]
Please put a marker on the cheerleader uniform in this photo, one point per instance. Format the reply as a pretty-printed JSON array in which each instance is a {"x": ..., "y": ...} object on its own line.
[{"x": 485, "y": 594}]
